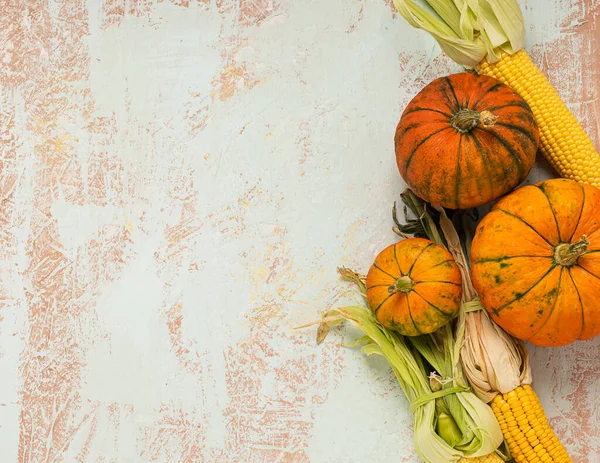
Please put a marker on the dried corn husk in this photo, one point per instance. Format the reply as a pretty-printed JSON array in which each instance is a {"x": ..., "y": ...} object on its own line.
[{"x": 493, "y": 361}]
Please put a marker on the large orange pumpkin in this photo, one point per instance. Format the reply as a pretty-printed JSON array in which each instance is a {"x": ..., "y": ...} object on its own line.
[
  {"x": 465, "y": 140},
  {"x": 414, "y": 287},
  {"x": 536, "y": 262}
]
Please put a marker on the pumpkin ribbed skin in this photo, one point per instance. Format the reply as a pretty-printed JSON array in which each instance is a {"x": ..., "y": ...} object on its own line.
[
  {"x": 414, "y": 287},
  {"x": 528, "y": 288},
  {"x": 461, "y": 166}
]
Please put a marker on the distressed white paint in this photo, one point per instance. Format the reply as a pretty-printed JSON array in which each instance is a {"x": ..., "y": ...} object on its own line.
[{"x": 296, "y": 168}]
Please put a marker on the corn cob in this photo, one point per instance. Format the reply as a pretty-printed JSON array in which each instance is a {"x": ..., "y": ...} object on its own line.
[
  {"x": 563, "y": 141},
  {"x": 525, "y": 427},
  {"x": 501, "y": 376},
  {"x": 490, "y": 458},
  {"x": 505, "y": 385}
]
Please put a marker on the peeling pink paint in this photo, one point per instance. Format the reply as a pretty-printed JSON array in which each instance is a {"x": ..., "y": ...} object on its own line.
[
  {"x": 175, "y": 436},
  {"x": 265, "y": 428},
  {"x": 359, "y": 17},
  {"x": 231, "y": 79},
  {"x": 53, "y": 412},
  {"x": 185, "y": 350},
  {"x": 305, "y": 145},
  {"x": 253, "y": 12},
  {"x": 115, "y": 10}
]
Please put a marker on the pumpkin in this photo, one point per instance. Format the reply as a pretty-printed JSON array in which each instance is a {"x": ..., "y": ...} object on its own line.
[
  {"x": 465, "y": 140},
  {"x": 536, "y": 262},
  {"x": 414, "y": 287}
]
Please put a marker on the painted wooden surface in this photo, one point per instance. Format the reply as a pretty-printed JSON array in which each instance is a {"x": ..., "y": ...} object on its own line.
[{"x": 179, "y": 180}]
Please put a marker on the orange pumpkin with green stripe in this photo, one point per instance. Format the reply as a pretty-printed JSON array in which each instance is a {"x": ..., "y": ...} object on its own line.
[
  {"x": 414, "y": 287},
  {"x": 536, "y": 262},
  {"x": 465, "y": 140}
]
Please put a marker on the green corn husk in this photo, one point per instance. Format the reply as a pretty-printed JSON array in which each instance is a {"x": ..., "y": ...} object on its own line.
[
  {"x": 450, "y": 422},
  {"x": 468, "y": 30}
]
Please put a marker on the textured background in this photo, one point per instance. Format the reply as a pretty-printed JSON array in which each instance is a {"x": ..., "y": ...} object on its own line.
[{"x": 178, "y": 182}]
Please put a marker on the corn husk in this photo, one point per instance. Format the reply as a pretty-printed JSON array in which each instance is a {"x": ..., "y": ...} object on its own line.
[
  {"x": 454, "y": 424},
  {"x": 493, "y": 361},
  {"x": 468, "y": 30}
]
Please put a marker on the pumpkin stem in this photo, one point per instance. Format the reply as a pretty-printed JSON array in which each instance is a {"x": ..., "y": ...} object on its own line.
[
  {"x": 566, "y": 254},
  {"x": 403, "y": 285},
  {"x": 466, "y": 120}
]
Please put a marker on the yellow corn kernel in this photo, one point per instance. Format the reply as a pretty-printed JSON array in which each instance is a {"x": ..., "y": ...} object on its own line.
[
  {"x": 562, "y": 139},
  {"x": 490, "y": 458},
  {"x": 527, "y": 433}
]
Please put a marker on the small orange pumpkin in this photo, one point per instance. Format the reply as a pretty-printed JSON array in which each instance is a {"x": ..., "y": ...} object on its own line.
[
  {"x": 465, "y": 140},
  {"x": 414, "y": 287},
  {"x": 536, "y": 262}
]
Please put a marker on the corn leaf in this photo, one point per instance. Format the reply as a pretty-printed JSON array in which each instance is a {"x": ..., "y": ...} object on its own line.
[
  {"x": 480, "y": 433},
  {"x": 448, "y": 12},
  {"x": 510, "y": 18},
  {"x": 468, "y": 30}
]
